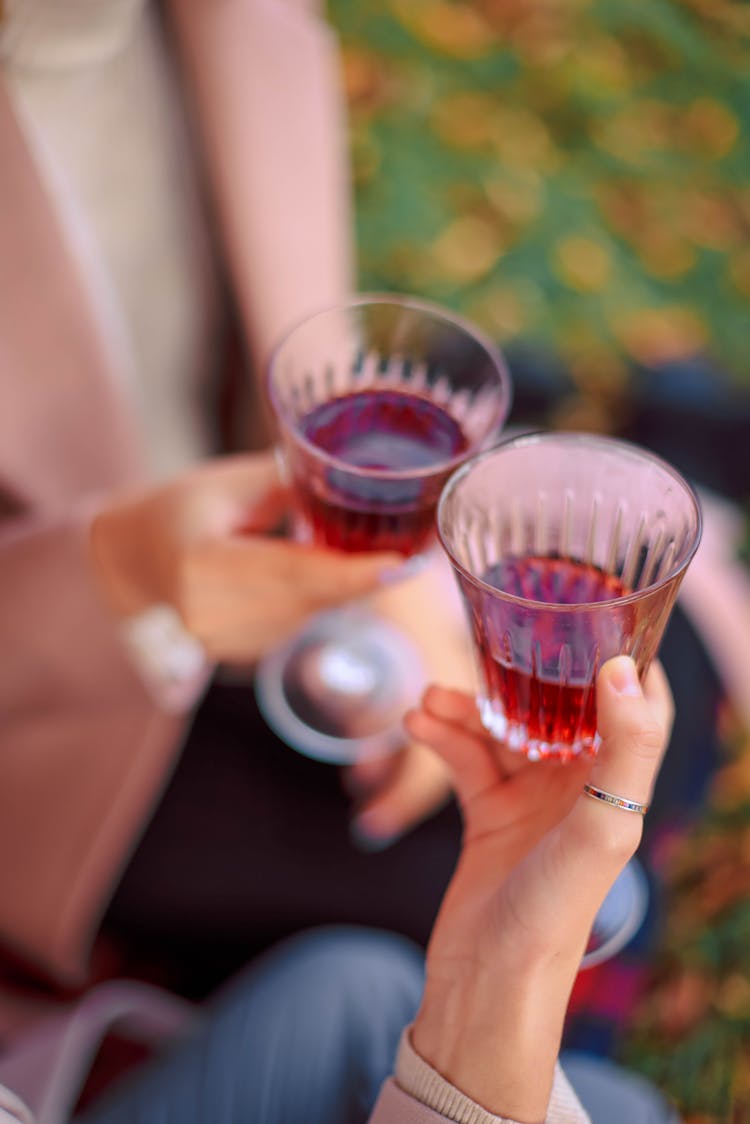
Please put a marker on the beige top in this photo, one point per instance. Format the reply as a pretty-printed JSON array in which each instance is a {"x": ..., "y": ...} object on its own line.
[
  {"x": 96, "y": 92},
  {"x": 420, "y": 1081}
]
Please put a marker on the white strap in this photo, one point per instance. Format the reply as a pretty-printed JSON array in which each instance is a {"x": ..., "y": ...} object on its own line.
[{"x": 169, "y": 659}]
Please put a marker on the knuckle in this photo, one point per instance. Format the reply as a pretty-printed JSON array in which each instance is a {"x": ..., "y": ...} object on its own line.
[
  {"x": 620, "y": 841},
  {"x": 640, "y": 734},
  {"x": 612, "y": 834},
  {"x": 669, "y": 713},
  {"x": 649, "y": 737}
]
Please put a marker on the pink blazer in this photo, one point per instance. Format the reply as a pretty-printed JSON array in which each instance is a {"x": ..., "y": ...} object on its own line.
[{"x": 84, "y": 751}]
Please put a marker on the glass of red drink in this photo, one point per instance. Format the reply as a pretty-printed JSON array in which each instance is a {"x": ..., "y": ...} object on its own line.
[
  {"x": 568, "y": 549},
  {"x": 378, "y": 401}
]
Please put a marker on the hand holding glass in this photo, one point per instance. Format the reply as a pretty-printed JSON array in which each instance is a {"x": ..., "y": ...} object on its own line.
[
  {"x": 377, "y": 401},
  {"x": 568, "y": 549}
]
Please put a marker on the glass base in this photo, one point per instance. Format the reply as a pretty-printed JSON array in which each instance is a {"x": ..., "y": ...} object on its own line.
[
  {"x": 515, "y": 735},
  {"x": 621, "y": 915},
  {"x": 339, "y": 690}
]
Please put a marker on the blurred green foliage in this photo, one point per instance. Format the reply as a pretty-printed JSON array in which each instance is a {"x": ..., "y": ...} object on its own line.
[{"x": 572, "y": 172}]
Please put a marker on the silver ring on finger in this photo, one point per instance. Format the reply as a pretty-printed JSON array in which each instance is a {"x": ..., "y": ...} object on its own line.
[{"x": 615, "y": 801}]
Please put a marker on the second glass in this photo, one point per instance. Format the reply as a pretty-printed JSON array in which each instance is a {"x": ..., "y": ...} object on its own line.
[{"x": 378, "y": 401}]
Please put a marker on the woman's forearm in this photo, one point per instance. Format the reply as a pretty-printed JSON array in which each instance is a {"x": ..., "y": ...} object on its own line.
[
  {"x": 498, "y": 1045},
  {"x": 266, "y": 91}
]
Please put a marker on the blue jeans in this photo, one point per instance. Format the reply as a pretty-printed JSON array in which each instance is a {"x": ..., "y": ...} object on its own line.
[
  {"x": 614, "y": 1095},
  {"x": 308, "y": 1034},
  {"x": 305, "y": 1036}
]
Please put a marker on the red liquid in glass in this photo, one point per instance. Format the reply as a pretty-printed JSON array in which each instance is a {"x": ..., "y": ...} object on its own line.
[
  {"x": 553, "y": 712},
  {"x": 377, "y": 429}
]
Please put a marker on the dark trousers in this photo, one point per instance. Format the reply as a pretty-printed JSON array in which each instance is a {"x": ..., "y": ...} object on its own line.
[{"x": 249, "y": 844}]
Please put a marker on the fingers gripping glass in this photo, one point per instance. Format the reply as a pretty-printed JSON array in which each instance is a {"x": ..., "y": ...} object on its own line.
[
  {"x": 568, "y": 549},
  {"x": 377, "y": 402}
]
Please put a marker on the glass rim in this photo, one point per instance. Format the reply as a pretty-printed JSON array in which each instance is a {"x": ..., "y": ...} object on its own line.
[
  {"x": 412, "y": 304},
  {"x": 629, "y": 449}
]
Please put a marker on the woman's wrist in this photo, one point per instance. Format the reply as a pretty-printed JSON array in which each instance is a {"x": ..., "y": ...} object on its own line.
[
  {"x": 172, "y": 663},
  {"x": 415, "y": 1077},
  {"x": 497, "y": 1037},
  {"x": 124, "y": 570}
]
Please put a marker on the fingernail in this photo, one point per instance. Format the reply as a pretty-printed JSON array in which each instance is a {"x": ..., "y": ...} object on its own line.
[
  {"x": 366, "y": 837},
  {"x": 623, "y": 677}
]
